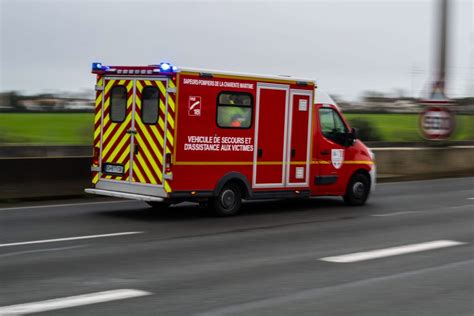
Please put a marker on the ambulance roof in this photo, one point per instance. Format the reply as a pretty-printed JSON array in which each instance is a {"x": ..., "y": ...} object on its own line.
[{"x": 243, "y": 74}]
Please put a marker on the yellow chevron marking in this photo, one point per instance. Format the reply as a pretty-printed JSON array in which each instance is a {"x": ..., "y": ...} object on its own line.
[
  {"x": 162, "y": 107},
  {"x": 169, "y": 137},
  {"x": 144, "y": 149},
  {"x": 110, "y": 142},
  {"x": 168, "y": 150},
  {"x": 154, "y": 147},
  {"x": 127, "y": 169},
  {"x": 161, "y": 87},
  {"x": 150, "y": 158},
  {"x": 119, "y": 147},
  {"x": 171, "y": 84},
  {"x": 145, "y": 168},
  {"x": 171, "y": 102},
  {"x": 167, "y": 187},
  {"x": 148, "y": 82},
  {"x": 130, "y": 86},
  {"x": 170, "y": 121},
  {"x": 123, "y": 125},
  {"x": 98, "y": 116},
  {"x": 96, "y": 178},
  {"x": 109, "y": 85},
  {"x": 139, "y": 86},
  {"x": 140, "y": 177},
  {"x": 158, "y": 135},
  {"x": 100, "y": 82},
  {"x": 126, "y": 154},
  {"x": 98, "y": 100},
  {"x": 121, "y": 82},
  {"x": 161, "y": 123}
]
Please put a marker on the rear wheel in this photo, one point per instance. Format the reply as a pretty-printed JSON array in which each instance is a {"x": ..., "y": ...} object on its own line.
[
  {"x": 228, "y": 202},
  {"x": 357, "y": 190}
]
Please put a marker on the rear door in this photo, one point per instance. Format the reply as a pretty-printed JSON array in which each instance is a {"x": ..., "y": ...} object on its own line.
[
  {"x": 134, "y": 123},
  {"x": 117, "y": 120},
  {"x": 149, "y": 131}
]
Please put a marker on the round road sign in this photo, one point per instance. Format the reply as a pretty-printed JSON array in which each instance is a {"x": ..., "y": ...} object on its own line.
[{"x": 437, "y": 123}]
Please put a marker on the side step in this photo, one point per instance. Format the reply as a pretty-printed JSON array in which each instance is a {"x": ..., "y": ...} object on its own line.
[{"x": 124, "y": 195}]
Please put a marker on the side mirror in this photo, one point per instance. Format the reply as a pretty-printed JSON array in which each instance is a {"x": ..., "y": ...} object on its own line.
[
  {"x": 354, "y": 133},
  {"x": 350, "y": 137}
]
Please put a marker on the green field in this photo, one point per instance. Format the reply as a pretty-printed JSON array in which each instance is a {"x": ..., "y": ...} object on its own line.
[
  {"x": 404, "y": 127},
  {"x": 46, "y": 129},
  {"x": 76, "y": 129}
]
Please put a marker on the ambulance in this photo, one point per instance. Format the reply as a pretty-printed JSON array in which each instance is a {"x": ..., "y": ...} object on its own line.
[{"x": 166, "y": 135}]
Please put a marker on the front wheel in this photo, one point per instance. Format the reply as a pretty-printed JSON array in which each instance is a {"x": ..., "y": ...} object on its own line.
[
  {"x": 228, "y": 201},
  {"x": 357, "y": 190}
]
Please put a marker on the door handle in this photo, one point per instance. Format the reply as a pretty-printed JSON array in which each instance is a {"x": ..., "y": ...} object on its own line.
[
  {"x": 131, "y": 131},
  {"x": 260, "y": 153},
  {"x": 325, "y": 152},
  {"x": 136, "y": 148},
  {"x": 293, "y": 152}
]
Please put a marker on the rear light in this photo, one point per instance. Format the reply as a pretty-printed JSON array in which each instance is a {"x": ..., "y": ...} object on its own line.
[
  {"x": 168, "y": 163},
  {"x": 95, "y": 157}
]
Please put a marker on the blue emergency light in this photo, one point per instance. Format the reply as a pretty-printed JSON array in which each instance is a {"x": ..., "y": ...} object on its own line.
[
  {"x": 167, "y": 67},
  {"x": 99, "y": 67}
]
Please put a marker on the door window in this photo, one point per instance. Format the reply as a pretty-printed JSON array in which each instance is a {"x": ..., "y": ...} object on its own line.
[
  {"x": 150, "y": 101},
  {"x": 234, "y": 110},
  {"x": 332, "y": 126},
  {"x": 118, "y": 104}
]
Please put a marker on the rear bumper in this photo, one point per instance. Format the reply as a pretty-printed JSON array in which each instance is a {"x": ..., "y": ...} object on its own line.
[{"x": 123, "y": 195}]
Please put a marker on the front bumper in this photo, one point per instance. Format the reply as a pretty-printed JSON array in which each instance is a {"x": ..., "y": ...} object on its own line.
[
  {"x": 123, "y": 195},
  {"x": 373, "y": 178}
]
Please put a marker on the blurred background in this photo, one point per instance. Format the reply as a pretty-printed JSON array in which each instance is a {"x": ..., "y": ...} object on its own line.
[
  {"x": 375, "y": 58},
  {"x": 379, "y": 60}
]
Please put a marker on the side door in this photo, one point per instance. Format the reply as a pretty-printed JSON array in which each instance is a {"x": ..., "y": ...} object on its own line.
[
  {"x": 270, "y": 135},
  {"x": 331, "y": 152},
  {"x": 299, "y": 136},
  {"x": 149, "y": 128},
  {"x": 117, "y": 117}
]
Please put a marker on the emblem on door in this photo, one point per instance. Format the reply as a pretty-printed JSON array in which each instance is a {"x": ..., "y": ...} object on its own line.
[{"x": 337, "y": 157}]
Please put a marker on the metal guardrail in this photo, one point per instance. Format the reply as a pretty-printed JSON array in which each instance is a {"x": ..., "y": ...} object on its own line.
[{"x": 86, "y": 151}]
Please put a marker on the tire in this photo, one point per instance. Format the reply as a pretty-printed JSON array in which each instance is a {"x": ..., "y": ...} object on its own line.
[
  {"x": 228, "y": 201},
  {"x": 358, "y": 190},
  {"x": 159, "y": 205}
]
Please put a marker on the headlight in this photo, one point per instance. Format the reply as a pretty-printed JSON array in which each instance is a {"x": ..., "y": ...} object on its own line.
[{"x": 371, "y": 154}]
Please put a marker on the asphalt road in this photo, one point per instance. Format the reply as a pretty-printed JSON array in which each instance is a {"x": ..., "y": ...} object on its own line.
[{"x": 409, "y": 251}]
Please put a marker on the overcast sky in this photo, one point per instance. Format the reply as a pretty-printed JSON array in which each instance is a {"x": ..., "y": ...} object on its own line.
[{"x": 347, "y": 46}]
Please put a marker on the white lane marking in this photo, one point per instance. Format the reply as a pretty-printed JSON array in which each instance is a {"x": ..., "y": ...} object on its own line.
[
  {"x": 67, "y": 239},
  {"x": 392, "y": 251},
  {"x": 16, "y": 253},
  {"x": 395, "y": 213},
  {"x": 470, "y": 198},
  {"x": 71, "y": 301},
  {"x": 62, "y": 205}
]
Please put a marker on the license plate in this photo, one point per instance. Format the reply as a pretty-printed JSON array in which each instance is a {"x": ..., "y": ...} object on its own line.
[{"x": 113, "y": 169}]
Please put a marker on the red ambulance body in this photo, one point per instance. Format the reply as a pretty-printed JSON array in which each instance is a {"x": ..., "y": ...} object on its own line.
[{"x": 166, "y": 135}]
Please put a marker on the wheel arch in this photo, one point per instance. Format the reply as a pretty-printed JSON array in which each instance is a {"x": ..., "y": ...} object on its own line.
[
  {"x": 237, "y": 178},
  {"x": 363, "y": 171}
]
